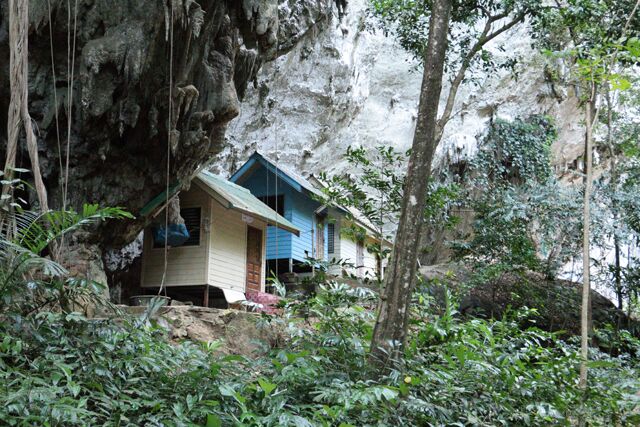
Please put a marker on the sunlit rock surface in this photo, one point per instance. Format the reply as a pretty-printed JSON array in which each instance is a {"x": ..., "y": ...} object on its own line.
[{"x": 348, "y": 85}]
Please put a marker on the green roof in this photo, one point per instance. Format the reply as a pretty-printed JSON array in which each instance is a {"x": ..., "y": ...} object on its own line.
[
  {"x": 241, "y": 199},
  {"x": 159, "y": 199}
]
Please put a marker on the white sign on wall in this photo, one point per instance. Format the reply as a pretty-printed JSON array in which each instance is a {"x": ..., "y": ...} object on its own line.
[{"x": 248, "y": 219}]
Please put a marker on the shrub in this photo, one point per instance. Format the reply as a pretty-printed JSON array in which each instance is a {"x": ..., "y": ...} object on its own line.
[{"x": 59, "y": 368}]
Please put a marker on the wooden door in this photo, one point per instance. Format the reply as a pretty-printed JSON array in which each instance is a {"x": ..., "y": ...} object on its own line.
[
  {"x": 254, "y": 260},
  {"x": 319, "y": 238}
]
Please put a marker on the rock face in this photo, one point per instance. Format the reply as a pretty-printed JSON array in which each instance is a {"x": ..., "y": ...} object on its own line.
[
  {"x": 337, "y": 87},
  {"x": 126, "y": 60},
  {"x": 300, "y": 79},
  {"x": 348, "y": 85},
  {"x": 239, "y": 332}
]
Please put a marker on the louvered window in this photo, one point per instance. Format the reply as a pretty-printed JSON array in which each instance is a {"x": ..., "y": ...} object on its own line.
[
  {"x": 191, "y": 218},
  {"x": 331, "y": 240}
]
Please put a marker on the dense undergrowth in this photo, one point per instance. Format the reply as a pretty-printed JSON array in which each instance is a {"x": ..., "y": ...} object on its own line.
[
  {"x": 63, "y": 369},
  {"x": 58, "y": 368}
]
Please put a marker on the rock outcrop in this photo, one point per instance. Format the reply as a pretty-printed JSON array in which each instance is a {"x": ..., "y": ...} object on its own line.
[
  {"x": 350, "y": 85},
  {"x": 238, "y": 332},
  {"x": 124, "y": 59},
  {"x": 556, "y": 301}
]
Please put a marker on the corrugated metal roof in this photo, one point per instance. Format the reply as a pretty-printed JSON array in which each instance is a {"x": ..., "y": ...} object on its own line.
[{"x": 241, "y": 199}]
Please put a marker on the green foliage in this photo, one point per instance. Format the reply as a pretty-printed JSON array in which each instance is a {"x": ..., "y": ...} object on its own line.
[
  {"x": 62, "y": 369},
  {"x": 489, "y": 373},
  {"x": 500, "y": 235},
  {"x": 58, "y": 368},
  {"x": 9, "y": 201},
  {"x": 31, "y": 279},
  {"x": 524, "y": 218},
  {"x": 583, "y": 24},
  {"x": 516, "y": 152},
  {"x": 594, "y": 46},
  {"x": 408, "y": 21},
  {"x": 345, "y": 324},
  {"x": 615, "y": 193},
  {"x": 616, "y": 341},
  {"x": 441, "y": 196},
  {"x": 322, "y": 269},
  {"x": 374, "y": 189},
  {"x": 37, "y": 231}
]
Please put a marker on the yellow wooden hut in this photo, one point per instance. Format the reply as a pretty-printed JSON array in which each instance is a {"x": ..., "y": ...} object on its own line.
[{"x": 226, "y": 248}]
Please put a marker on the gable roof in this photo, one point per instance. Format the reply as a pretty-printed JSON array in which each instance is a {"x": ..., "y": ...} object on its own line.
[
  {"x": 312, "y": 186},
  {"x": 298, "y": 182},
  {"x": 232, "y": 196}
]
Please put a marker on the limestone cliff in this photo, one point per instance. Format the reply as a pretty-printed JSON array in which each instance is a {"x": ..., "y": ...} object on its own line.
[
  {"x": 298, "y": 79},
  {"x": 124, "y": 58},
  {"x": 348, "y": 85}
]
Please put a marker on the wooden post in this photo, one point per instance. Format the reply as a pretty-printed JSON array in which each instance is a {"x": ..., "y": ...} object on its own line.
[
  {"x": 205, "y": 302},
  {"x": 290, "y": 265}
]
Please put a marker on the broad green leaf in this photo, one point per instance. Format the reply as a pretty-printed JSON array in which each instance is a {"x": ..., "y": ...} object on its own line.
[
  {"x": 213, "y": 421},
  {"x": 266, "y": 386}
]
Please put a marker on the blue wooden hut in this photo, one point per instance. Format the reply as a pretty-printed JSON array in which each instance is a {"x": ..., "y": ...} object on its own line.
[{"x": 296, "y": 199}]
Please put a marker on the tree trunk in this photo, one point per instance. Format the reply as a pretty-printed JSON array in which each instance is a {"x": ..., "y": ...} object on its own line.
[
  {"x": 618, "y": 276},
  {"x": 632, "y": 295},
  {"x": 613, "y": 187},
  {"x": 390, "y": 331},
  {"x": 586, "y": 275},
  {"x": 15, "y": 77},
  {"x": 18, "y": 107}
]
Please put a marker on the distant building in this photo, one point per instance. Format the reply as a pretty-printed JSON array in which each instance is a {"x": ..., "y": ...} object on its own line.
[
  {"x": 226, "y": 249},
  {"x": 299, "y": 200}
]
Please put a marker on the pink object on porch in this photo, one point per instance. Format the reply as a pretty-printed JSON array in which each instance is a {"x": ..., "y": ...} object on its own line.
[{"x": 268, "y": 302}]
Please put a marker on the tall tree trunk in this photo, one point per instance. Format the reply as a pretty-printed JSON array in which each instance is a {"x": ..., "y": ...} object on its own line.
[
  {"x": 390, "y": 331},
  {"x": 613, "y": 188},
  {"x": 586, "y": 274},
  {"x": 632, "y": 295},
  {"x": 15, "y": 77}
]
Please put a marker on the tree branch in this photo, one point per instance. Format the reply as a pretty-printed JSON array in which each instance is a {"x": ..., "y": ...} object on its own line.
[{"x": 485, "y": 37}]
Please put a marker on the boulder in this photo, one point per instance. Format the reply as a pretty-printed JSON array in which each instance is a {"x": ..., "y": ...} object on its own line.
[
  {"x": 557, "y": 301},
  {"x": 239, "y": 332}
]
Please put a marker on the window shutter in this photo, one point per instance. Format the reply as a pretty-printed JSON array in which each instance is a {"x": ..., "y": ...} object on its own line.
[
  {"x": 331, "y": 242},
  {"x": 192, "y": 218}
]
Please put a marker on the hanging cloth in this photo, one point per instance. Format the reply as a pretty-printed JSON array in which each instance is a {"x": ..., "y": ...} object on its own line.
[{"x": 176, "y": 234}]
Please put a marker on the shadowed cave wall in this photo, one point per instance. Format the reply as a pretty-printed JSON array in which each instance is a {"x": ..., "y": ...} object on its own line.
[{"x": 120, "y": 105}]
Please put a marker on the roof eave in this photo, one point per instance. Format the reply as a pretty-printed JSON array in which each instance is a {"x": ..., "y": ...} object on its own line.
[{"x": 268, "y": 220}]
